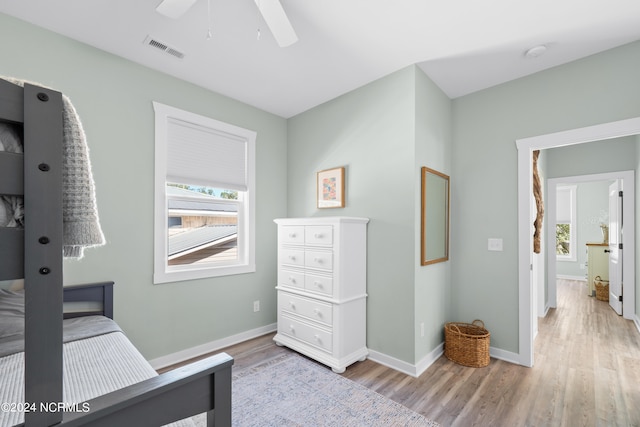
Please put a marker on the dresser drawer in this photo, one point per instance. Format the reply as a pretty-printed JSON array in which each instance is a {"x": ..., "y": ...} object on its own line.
[
  {"x": 314, "y": 310},
  {"x": 319, "y": 284},
  {"x": 292, "y": 257},
  {"x": 318, "y": 235},
  {"x": 291, "y": 234},
  {"x": 291, "y": 279},
  {"x": 319, "y": 260},
  {"x": 305, "y": 332}
]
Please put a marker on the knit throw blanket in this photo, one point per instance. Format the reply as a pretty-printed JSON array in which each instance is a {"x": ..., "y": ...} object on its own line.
[{"x": 81, "y": 226}]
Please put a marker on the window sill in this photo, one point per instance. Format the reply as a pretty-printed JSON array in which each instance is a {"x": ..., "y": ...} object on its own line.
[{"x": 202, "y": 273}]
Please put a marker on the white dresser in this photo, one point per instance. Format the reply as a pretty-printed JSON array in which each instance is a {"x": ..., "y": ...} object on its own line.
[{"x": 322, "y": 288}]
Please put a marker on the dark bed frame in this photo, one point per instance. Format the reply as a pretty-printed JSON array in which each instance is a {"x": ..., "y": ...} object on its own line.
[{"x": 35, "y": 254}]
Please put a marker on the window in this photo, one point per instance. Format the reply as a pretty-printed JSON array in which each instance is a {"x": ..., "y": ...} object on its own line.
[
  {"x": 566, "y": 223},
  {"x": 204, "y": 197}
]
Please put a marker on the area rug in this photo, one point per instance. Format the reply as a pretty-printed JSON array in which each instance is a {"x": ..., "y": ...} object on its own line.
[{"x": 293, "y": 391}]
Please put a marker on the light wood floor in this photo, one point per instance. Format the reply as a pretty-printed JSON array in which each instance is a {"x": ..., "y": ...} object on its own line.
[{"x": 586, "y": 373}]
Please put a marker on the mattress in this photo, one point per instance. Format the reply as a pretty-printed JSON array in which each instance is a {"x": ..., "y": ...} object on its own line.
[{"x": 97, "y": 359}]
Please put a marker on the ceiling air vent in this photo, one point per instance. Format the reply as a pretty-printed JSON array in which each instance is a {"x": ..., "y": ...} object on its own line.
[{"x": 150, "y": 41}]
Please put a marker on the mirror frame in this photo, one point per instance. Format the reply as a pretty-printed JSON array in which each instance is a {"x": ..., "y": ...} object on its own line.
[{"x": 424, "y": 259}]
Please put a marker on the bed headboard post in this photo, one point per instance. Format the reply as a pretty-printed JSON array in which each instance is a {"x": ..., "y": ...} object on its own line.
[{"x": 43, "y": 154}]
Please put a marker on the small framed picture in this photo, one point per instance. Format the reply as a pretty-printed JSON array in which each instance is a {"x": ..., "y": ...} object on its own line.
[{"x": 331, "y": 188}]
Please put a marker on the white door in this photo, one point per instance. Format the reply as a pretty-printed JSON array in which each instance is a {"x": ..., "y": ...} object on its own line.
[{"x": 615, "y": 246}]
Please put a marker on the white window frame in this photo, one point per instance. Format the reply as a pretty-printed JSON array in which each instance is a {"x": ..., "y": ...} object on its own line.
[
  {"x": 573, "y": 225},
  {"x": 163, "y": 273}
]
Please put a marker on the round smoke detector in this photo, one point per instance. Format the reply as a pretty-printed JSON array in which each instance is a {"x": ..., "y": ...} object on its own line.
[{"x": 535, "y": 51}]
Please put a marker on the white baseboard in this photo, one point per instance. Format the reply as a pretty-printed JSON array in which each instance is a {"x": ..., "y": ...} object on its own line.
[
  {"x": 419, "y": 368},
  {"x": 569, "y": 277},
  {"x": 414, "y": 370},
  {"x": 199, "y": 350},
  {"x": 393, "y": 363},
  {"x": 507, "y": 356},
  {"x": 429, "y": 359},
  {"x": 636, "y": 321}
]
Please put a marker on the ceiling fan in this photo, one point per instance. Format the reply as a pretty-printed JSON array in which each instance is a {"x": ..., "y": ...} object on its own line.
[{"x": 271, "y": 10}]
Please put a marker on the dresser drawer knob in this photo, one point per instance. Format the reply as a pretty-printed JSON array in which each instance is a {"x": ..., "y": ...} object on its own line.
[
  {"x": 317, "y": 284},
  {"x": 317, "y": 337},
  {"x": 292, "y": 279},
  {"x": 292, "y": 257},
  {"x": 318, "y": 260},
  {"x": 318, "y": 235},
  {"x": 293, "y": 306},
  {"x": 292, "y": 235},
  {"x": 292, "y": 328},
  {"x": 317, "y": 312}
]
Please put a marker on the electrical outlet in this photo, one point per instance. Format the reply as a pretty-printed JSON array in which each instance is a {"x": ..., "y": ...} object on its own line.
[
  {"x": 256, "y": 306},
  {"x": 422, "y": 329},
  {"x": 495, "y": 245}
]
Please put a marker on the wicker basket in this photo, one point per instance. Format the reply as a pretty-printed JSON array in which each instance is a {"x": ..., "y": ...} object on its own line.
[
  {"x": 467, "y": 343},
  {"x": 602, "y": 288}
]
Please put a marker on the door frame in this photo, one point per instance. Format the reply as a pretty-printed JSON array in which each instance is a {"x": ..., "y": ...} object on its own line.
[
  {"x": 628, "y": 211},
  {"x": 526, "y": 146}
]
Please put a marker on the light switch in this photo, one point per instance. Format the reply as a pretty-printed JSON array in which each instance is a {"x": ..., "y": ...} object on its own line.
[{"x": 495, "y": 245}]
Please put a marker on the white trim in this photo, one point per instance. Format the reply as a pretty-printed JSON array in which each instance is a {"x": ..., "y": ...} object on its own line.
[
  {"x": 636, "y": 321},
  {"x": 210, "y": 347},
  {"x": 420, "y": 368},
  {"x": 507, "y": 356},
  {"x": 570, "y": 277},
  {"x": 581, "y": 135},
  {"x": 428, "y": 360},
  {"x": 246, "y": 201},
  {"x": 396, "y": 364},
  {"x": 525, "y": 148}
]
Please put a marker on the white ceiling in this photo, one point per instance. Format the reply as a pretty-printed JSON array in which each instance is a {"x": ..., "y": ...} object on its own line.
[{"x": 463, "y": 45}]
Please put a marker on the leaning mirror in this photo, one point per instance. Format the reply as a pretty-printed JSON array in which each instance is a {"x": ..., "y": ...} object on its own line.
[{"x": 435, "y": 217}]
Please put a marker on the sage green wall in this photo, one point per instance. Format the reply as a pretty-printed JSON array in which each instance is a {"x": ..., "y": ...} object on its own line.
[
  {"x": 611, "y": 155},
  {"x": 597, "y": 89},
  {"x": 370, "y": 131},
  {"x": 375, "y": 131},
  {"x": 433, "y": 149},
  {"x": 113, "y": 98}
]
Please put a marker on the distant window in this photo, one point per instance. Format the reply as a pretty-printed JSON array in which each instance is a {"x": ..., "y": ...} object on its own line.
[
  {"x": 566, "y": 223},
  {"x": 204, "y": 220},
  {"x": 563, "y": 239}
]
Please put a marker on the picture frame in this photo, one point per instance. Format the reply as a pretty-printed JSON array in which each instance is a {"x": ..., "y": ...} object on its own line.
[{"x": 330, "y": 188}]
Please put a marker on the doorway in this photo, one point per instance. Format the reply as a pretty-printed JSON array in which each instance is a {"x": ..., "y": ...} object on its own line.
[
  {"x": 626, "y": 178},
  {"x": 526, "y": 310}
]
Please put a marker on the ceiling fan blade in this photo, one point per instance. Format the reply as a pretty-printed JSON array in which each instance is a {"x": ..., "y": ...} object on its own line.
[
  {"x": 174, "y": 8},
  {"x": 276, "y": 18}
]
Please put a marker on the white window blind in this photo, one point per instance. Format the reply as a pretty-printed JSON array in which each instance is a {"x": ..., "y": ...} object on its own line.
[
  {"x": 204, "y": 156},
  {"x": 564, "y": 204}
]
